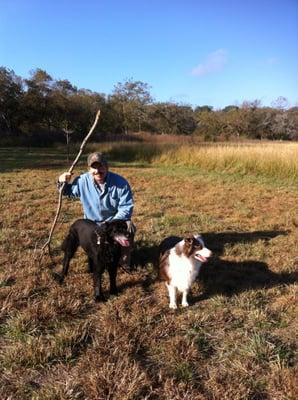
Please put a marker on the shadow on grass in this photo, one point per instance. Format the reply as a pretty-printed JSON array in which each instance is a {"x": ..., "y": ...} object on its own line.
[
  {"x": 217, "y": 241},
  {"x": 52, "y": 158},
  {"x": 221, "y": 276},
  {"x": 228, "y": 277},
  {"x": 26, "y": 158},
  {"x": 144, "y": 253}
]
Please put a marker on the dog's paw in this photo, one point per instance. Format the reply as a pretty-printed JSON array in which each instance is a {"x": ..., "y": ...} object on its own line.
[
  {"x": 173, "y": 306},
  {"x": 185, "y": 304},
  {"x": 57, "y": 277},
  {"x": 100, "y": 298}
]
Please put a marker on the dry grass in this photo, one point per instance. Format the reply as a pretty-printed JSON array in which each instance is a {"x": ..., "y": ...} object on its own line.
[
  {"x": 273, "y": 160},
  {"x": 238, "y": 338},
  {"x": 270, "y": 160}
]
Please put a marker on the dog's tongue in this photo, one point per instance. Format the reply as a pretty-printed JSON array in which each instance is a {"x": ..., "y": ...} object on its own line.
[
  {"x": 122, "y": 240},
  {"x": 201, "y": 258}
]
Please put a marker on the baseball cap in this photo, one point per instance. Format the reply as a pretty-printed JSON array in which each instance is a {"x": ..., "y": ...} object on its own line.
[{"x": 96, "y": 157}]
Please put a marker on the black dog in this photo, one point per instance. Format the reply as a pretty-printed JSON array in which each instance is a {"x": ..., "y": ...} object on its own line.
[{"x": 102, "y": 245}]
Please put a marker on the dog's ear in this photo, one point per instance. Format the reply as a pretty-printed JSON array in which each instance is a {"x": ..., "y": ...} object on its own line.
[
  {"x": 199, "y": 240},
  {"x": 188, "y": 245}
]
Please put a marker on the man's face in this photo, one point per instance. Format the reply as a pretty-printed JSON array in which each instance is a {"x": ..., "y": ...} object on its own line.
[{"x": 99, "y": 172}]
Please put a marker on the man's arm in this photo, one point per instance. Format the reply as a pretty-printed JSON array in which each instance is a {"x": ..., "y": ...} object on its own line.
[
  {"x": 70, "y": 189},
  {"x": 126, "y": 204}
]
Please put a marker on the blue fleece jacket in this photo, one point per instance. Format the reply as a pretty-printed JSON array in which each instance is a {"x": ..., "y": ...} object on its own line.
[{"x": 114, "y": 201}]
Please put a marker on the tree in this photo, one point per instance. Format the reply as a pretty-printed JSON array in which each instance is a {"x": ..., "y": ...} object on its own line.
[
  {"x": 86, "y": 104},
  {"x": 209, "y": 125},
  {"x": 200, "y": 109},
  {"x": 171, "y": 118},
  {"x": 37, "y": 98},
  {"x": 63, "y": 111},
  {"x": 129, "y": 99},
  {"x": 252, "y": 117},
  {"x": 11, "y": 92},
  {"x": 230, "y": 108},
  {"x": 293, "y": 123}
]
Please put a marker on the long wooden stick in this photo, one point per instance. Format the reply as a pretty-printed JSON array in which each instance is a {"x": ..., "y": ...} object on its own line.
[{"x": 48, "y": 242}]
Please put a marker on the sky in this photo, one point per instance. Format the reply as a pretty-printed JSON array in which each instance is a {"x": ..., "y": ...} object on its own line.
[{"x": 193, "y": 52}]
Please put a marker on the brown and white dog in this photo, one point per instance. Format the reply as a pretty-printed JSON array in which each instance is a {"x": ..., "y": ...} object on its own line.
[{"x": 180, "y": 261}]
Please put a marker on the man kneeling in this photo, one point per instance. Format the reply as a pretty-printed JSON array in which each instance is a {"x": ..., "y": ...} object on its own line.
[{"x": 105, "y": 196}]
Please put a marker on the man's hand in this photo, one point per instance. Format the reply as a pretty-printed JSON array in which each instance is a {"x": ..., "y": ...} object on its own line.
[
  {"x": 130, "y": 227},
  {"x": 65, "y": 177}
]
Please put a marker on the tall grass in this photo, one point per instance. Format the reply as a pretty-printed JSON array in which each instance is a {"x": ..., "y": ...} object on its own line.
[
  {"x": 272, "y": 160},
  {"x": 269, "y": 160}
]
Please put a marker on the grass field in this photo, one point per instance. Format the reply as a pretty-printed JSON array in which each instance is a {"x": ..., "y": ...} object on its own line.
[{"x": 238, "y": 338}]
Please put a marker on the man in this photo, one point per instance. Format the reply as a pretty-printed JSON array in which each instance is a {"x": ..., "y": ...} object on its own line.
[{"x": 104, "y": 195}]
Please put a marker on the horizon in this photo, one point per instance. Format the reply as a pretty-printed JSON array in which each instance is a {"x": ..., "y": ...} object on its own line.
[{"x": 188, "y": 53}]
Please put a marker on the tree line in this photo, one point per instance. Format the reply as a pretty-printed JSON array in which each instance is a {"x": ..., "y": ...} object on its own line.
[{"x": 42, "y": 110}]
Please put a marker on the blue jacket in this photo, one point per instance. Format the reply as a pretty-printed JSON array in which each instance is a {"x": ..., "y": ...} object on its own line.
[{"x": 114, "y": 202}]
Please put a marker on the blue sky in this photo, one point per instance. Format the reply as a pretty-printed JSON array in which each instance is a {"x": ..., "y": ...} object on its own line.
[{"x": 192, "y": 52}]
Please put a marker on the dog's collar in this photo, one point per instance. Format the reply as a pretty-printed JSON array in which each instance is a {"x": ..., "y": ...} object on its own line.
[{"x": 99, "y": 239}]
